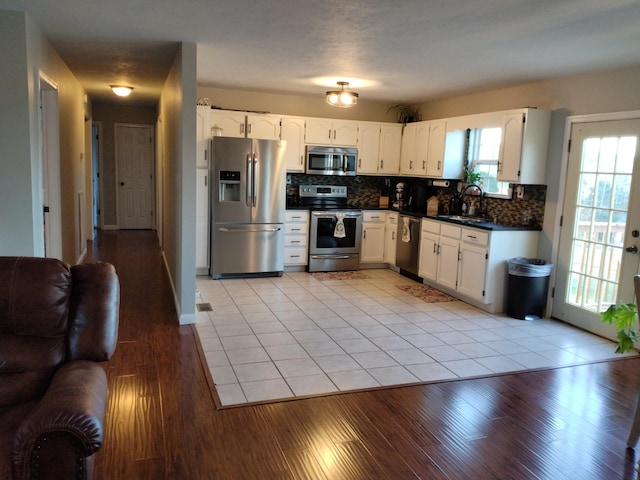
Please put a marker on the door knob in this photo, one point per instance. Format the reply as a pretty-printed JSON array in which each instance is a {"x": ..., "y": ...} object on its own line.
[
  {"x": 122, "y": 184},
  {"x": 632, "y": 249}
]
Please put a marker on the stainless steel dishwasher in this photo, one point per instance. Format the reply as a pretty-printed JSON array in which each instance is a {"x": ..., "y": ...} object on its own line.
[{"x": 408, "y": 244}]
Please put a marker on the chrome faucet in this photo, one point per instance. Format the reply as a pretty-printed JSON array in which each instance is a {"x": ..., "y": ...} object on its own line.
[{"x": 464, "y": 192}]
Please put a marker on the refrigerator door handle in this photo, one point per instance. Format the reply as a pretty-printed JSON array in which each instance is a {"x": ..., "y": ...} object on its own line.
[
  {"x": 249, "y": 181},
  {"x": 253, "y": 230},
  {"x": 253, "y": 179}
]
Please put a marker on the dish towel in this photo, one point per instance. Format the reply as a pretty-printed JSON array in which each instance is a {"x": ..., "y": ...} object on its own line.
[
  {"x": 406, "y": 230},
  {"x": 339, "y": 232}
]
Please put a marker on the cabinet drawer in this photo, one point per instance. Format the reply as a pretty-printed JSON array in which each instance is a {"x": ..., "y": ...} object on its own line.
[
  {"x": 476, "y": 237},
  {"x": 392, "y": 218},
  {"x": 431, "y": 227},
  {"x": 373, "y": 216},
  {"x": 295, "y": 241},
  {"x": 295, "y": 256},
  {"x": 295, "y": 228},
  {"x": 301, "y": 216},
  {"x": 450, "y": 231}
]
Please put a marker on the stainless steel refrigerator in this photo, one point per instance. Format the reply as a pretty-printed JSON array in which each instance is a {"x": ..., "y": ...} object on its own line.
[{"x": 248, "y": 197}]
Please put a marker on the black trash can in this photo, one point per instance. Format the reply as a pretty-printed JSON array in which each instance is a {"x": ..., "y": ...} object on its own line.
[{"x": 527, "y": 287}]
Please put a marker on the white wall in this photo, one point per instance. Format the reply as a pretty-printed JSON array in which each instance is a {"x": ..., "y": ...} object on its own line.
[
  {"x": 178, "y": 123},
  {"x": 24, "y": 52}
]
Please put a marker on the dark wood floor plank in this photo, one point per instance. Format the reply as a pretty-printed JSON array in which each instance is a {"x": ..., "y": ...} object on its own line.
[{"x": 162, "y": 423}]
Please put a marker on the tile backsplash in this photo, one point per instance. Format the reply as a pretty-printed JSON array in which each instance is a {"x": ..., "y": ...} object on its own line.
[{"x": 364, "y": 192}]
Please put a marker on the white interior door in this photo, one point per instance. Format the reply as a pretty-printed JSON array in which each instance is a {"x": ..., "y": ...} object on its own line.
[
  {"x": 134, "y": 158},
  {"x": 598, "y": 251}
]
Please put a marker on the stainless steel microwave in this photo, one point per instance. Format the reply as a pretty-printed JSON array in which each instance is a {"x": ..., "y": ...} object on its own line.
[{"x": 328, "y": 160}]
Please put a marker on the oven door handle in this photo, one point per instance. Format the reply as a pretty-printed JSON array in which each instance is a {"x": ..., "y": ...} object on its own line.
[
  {"x": 333, "y": 257},
  {"x": 333, "y": 214}
]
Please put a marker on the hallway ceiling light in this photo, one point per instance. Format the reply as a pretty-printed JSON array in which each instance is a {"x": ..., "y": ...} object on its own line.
[
  {"x": 342, "y": 98},
  {"x": 121, "y": 90}
]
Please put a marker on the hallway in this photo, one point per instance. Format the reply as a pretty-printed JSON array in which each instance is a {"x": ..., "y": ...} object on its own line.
[{"x": 161, "y": 422}]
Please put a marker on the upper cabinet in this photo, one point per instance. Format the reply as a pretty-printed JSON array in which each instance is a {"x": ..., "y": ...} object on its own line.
[
  {"x": 292, "y": 130},
  {"x": 379, "y": 148},
  {"x": 326, "y": 131},
  {"x": 429, "y": 150},
  {"x": 226, "y": 123},
  {"x": 263, "y": 126},
  {"x": 415, "y": 149},
  {"x": 203, "y": 134},
  {"x": 390, "y": 141},
  {"x": 523, "y": 153}
]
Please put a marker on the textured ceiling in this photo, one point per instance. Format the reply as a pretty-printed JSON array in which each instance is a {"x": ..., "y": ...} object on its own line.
[{"x": 404, "y": 51}]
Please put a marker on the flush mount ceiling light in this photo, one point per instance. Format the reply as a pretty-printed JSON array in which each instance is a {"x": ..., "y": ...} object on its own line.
[
  {"x": 121, "y": 90},
  {"x": 342, "y": 98}
]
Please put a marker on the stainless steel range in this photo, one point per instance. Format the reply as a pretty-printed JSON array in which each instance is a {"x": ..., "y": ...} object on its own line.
[{"x": 335, "y": 230}]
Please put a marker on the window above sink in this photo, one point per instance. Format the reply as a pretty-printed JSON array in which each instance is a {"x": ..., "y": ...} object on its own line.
[{"x": 483, "y": 157}]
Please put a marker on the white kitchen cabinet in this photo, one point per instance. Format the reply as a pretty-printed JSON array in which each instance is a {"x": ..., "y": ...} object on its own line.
[
  {"x": 229, "y": 123},
  {"x": 523, "y": 150},
  {"x": 379, "y": 148},
  {"x": 292, "y": 130},
  {"x": 390, "y": 141},
  {"x": 391, "y": 228},
  {"x": 326, "y": 131},
  {"x": 415, "y": 149},
  {"x": 296, "y": 238},
  {"x": 263, "y": 126},
  {"x": 203, "y": 135},
  {"x": 368, "y": 148},
  {"x": 373, "y": 223},
  {"x": 202, "y": 221},
  {"x": 471, "y": 263}
]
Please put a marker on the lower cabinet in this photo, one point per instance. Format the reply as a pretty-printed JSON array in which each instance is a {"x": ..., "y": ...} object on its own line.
[
  {"x": 471, "y": 263},
  {"x": 296, "y": 238},
  {"x": 373, "y": 238},
  {"x": 391, "y": 227}
]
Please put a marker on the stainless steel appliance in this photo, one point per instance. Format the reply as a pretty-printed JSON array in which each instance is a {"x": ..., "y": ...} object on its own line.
[
  {"x": 331, "y": 160},
  {"x": 408, "y": 245},
  {"x": 335, "y": 233},
  {"x": 247, "y": 207}
]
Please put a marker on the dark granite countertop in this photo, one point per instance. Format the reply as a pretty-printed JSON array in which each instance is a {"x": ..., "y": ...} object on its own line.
[{"x": 465, "y": 221}]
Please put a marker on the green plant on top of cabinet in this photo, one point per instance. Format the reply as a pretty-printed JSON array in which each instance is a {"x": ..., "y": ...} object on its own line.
[
  {"x": 326, "y": 131},
  {"x": 292, "y": 130}
]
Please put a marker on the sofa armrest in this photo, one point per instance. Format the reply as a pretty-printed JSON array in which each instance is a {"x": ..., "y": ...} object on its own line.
[{"x": 74, "y": 408}]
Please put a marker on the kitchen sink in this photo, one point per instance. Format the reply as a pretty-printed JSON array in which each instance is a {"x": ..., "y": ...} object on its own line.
[{"x": 463, "y": 219}]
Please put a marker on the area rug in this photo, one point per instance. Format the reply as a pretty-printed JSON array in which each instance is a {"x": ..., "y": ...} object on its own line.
[
  {"x": 426, "y": 293},
  {"x": 351, "y": 275}
]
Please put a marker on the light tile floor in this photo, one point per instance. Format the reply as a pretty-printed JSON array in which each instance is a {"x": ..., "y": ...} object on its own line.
[{"x": 273, "y": 338}]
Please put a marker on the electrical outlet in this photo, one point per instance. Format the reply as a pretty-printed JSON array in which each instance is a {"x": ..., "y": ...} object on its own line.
[{"x": 519, "y": 191}]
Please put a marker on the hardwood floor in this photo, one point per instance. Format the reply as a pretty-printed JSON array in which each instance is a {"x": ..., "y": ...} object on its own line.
[{"x": 161, "y": 423}]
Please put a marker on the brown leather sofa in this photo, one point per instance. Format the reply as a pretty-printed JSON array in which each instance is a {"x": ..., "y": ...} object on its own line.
[{"x": 56, "y": 322}]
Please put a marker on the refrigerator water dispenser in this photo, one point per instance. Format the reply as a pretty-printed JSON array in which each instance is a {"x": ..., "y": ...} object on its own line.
[{"x": 229, "y": 188}]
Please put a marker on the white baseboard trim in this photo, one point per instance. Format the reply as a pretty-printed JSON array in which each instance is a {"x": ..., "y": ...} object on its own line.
[{"x": 110, "y": 227}]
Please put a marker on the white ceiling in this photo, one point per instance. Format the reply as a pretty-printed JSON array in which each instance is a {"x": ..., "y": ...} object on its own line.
[{"x": 405, "y": 51}]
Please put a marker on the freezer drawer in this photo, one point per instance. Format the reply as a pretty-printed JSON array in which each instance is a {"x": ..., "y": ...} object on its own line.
[{"x": 247, "y": 250}]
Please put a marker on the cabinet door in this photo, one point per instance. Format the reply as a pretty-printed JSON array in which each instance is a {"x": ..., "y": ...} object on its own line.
[
  {"x": 421, "y": 151},
  {"x": 408, "y": 148},
  {"x": 232, "y": 124},
  {"x": 263, "y": 127},
  {"x": 292, "y": 130},
  {"x": 435, "y": 158},
  {"x": 368, "y": 147},
  {"x": 428, "y": 263},
  {"x": 447, "y": 273},
  {"x": 390, "y": 140},
  {"x": 390, "y": 239},
  {"x": 202, "y": 221},
  {"x": 372, "y": 242},
  {"x": 203, "y": 134},
  {"x": 345, "y": 133},
  {"x": 511, "y": 149},
  {"x": 472, "y": 271},
  {"x": 318, "y": 131}
]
